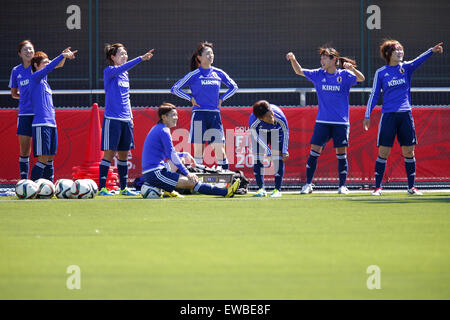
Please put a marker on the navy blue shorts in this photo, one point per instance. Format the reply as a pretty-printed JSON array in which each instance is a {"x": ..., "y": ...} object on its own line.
[
  {"x": 273, "y": 138},
  {"x": 24, "y": 125},
  {"x": 323, "y": 132},
  {"x": 400, "y": 124},
  {"x": 206, "y": 126},
  {"x": 162, "y": 178},
  {"x": 45, "y": 141},
  {"x": 117, "y": 135}
]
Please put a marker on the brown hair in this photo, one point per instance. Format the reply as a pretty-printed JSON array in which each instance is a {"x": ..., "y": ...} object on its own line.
[
  {"x": 260, "y": 108},
  {"x": 164, "y": 109},
  {"x": 195, "y": 63},
  {"x": 37, "y": 59},
  {"x": 332, "y": 52},
  {"x": 23, "y": 43},
  {"x": 111, "y": 50},
  {"x": 387, "y": 47}
]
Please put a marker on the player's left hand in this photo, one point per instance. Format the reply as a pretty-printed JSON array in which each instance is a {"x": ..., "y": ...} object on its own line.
[
  {"x": 220, "y": 103},
  {"x": 285, "y": 157},
  {"x": 438, "y": 48}
]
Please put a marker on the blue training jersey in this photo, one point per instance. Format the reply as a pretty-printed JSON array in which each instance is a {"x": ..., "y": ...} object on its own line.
[
  {"x": 205, "y": 86},
  {"x": 395, "y": 81},
  {"x": 117, "y": 91},
  {"x": 333, "y": 91},
  {"x": 20, "y": 79},
  {"x": 158, "y": 147},
  {"x": 256, "y": 126},
  {"x": 41, "y": 95}
]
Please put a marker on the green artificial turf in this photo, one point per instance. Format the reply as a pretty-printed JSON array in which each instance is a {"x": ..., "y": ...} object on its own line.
[{"x": 316, "y": 246}]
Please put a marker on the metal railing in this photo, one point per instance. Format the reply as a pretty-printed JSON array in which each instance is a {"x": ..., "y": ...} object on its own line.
[{"x": 301, "y": 91}]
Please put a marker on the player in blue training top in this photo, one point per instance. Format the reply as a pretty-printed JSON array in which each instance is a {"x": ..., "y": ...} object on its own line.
[
  {"x": 333, "y": 88},
  {"x": 117, "y": 129},
  {"x": 44, "y": 132},
  {"x": 158, "y": 147},
  {"x": 394, "y": 79},
  {"x": 268, "y": 125},
  {"x": 204, "y": 82},
  {"x": 20, "y": 83}
]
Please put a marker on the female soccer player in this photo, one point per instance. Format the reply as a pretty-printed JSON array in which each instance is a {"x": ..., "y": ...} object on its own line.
[
  {"x": 19, "y": 84},
  {"x": 204, "y": 82},
  {"x": 117, "y": 129},
  {"x": 396, "y": 118},
  {"x": 268, "y": 125},
  {"x": 158, "y": 147},
  {"x": 44, "y": 132},
  {"x": 333, "y": 88}
]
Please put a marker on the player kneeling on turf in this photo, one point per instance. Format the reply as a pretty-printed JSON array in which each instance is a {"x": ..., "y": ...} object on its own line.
[{"x": 158, "y": 146}]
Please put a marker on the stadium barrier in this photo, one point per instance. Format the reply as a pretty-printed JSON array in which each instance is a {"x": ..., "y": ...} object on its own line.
[{"x": 432, "y": 153}]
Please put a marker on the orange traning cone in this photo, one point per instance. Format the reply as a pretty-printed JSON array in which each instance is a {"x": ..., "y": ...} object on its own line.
[{"x": 89, "y": 169}]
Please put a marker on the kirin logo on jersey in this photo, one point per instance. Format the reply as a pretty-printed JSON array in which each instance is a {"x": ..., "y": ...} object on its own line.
[
  {"x": 210, "y": 82},
  {"x": 396, "y": 82},
  {"x": 124, "y": 84},
  {"x": 327, "y": 87}
]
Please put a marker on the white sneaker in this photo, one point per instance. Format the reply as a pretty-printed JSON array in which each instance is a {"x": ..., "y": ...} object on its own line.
[
  {"x": 343, "y": 190},
  {"x": 307, "y": 188},
  {"x": 415, "y": 192},
  {"x": 377, "y": 192}
]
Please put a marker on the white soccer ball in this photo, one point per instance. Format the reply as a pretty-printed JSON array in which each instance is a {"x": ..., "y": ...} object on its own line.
[
  {"x": 63, "y": 189},
  {"x": 81, "y": 189},
  {"x": 26, "y": 189},
  {"x": 94, "y": 187},
  {"x": 149, "y": 192},
  {"x": 46, "y": 189}
]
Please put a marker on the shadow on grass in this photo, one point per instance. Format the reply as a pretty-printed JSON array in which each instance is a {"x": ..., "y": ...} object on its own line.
[{"x": 434, "y": 199}]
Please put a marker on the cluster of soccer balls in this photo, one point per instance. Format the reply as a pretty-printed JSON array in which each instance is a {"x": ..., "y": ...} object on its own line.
[{"x": 63, "y": 189}]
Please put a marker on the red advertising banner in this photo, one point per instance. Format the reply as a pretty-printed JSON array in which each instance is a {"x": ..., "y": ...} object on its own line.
[{"x": 432, "y": 152}]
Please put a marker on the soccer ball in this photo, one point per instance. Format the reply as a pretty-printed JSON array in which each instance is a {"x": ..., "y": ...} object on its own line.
[
  {"x": 63, "y": 188},
  {"x": 46, "y": 189},
  {"x": 94, "y": 186},
  {"x": 26, "y": 189},
  {"x": 149, "y": 192},
  {"x": 81, "y": 189}
]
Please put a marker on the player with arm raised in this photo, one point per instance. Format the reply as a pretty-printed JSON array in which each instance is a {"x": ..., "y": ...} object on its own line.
[
  {"x": 20, "y": 83},
  {"x": 268, "y": 126},
  {"x": 204, "y": 80},
  {"x": 117, "y": 128},
  {"x": 44, "y": 132},
  {"x": 158, "y": 147},
  {"x": 394, "y": 79},
  {"x": 332, "y": 82}
]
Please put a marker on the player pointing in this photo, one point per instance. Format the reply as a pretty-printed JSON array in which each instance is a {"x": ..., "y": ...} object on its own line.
[
  {"x": 394, "y": 79},
  {"x": 44, "y": 132},
  {"x": 333, "y": 88},
  {"x": 117, "y": 129}
]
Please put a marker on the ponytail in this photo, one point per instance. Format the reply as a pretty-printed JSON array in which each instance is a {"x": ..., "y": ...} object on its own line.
[
  {"x": 342, "y": 60},
  {"x": 333, "y": 53},
  {"x": 195, "y": 63}
]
